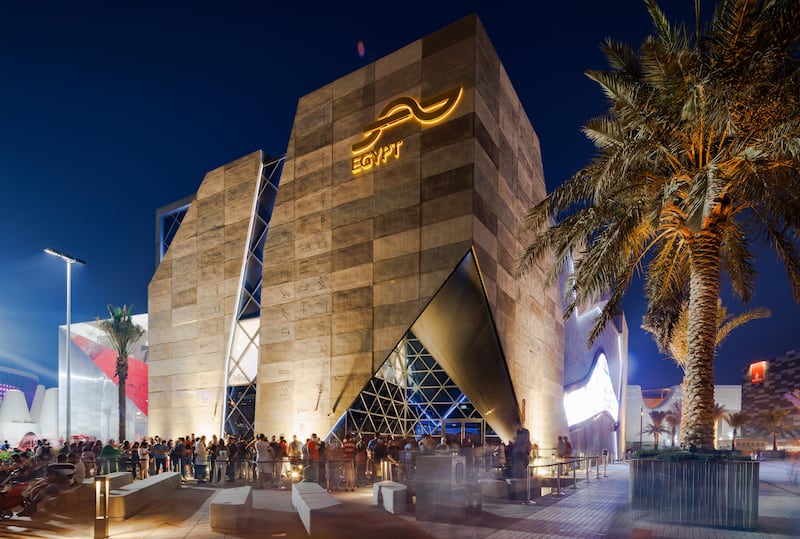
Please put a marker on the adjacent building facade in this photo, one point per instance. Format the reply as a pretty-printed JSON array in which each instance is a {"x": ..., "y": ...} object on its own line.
[
  {"x": 765, "y": 386},
  {"x": 364, "y": 281}
]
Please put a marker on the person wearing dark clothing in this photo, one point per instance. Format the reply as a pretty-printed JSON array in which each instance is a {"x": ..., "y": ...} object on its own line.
[{"x": 520, "y": 453}]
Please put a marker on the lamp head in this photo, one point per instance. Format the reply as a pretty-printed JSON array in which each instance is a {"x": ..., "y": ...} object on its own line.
[{"x": 69, "y": 259}]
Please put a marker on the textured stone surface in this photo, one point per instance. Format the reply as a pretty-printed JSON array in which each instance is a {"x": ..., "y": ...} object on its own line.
[
  {"x": 395, "y": 232},
  {"x": 191, "y": 300}
]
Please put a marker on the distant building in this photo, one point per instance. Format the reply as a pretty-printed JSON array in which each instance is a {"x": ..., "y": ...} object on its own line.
[
  {"x": 18, "y": 379},
  {"x": 94, "y": 386},
  {"x": 764, "y": 386}
]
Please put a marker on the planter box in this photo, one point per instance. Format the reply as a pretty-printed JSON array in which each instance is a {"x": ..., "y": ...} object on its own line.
[{"x": 717, "y": 493}]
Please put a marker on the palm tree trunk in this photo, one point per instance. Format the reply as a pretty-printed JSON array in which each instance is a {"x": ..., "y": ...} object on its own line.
[
  {"x": 701, "y": 336},
  {"x": 733, "y": 442},
  {"x": 123, "y": 378}
]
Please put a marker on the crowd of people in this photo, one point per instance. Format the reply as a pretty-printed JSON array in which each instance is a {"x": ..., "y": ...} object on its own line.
[{"x": 347, "y": 462}]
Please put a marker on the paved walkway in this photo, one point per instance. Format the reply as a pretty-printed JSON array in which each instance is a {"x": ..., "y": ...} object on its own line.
[{"x": 596, "y": 509}]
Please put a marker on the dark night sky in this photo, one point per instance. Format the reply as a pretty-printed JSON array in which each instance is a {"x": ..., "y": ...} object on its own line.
[{"x": 111, "y": 110}]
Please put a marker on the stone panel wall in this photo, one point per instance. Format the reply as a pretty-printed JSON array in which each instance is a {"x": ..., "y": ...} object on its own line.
[
  {"x": 191, "y": 302},
  {"x": 352, "y": 259}
]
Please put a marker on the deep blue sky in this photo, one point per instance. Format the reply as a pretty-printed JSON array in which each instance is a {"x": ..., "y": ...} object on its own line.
[{"x": 111, "y": 110}]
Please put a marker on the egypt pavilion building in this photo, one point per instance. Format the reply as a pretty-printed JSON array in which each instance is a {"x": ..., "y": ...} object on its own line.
[{"x": 363, "y": 281}]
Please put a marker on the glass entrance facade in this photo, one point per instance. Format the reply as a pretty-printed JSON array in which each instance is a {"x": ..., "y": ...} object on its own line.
[{"x": 412, "y": 395}]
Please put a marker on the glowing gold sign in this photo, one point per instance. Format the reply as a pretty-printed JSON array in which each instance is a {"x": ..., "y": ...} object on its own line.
[{"x": 430, "y": 111}]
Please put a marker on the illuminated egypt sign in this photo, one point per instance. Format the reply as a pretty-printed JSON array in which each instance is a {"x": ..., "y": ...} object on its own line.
[
  {"x": 595, "y": 397},
  {"x": 757, "y": 372},
  {"x": 427, "y": 112}
]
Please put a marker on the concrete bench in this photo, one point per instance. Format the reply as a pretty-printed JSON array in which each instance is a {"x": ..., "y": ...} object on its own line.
[
  {"x": 391, "y": 495},
  {"x": 83, "y": 494},
  {"x": 129, "y": 499},
  {"x": 229, "y": 511},
  {"x": 309, "y": 499}
]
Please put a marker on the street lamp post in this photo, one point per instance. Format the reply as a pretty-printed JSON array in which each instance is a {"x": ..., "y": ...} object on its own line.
[{"x": 70, "y": 260}]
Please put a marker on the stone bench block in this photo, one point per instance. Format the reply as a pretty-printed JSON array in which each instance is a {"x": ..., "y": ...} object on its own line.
[
  {"x": 132, "y": 498},
  {"x": 309, "y": 500},
  {"x": 393, "y": 496},
  {"x": 229, "y": 511}
]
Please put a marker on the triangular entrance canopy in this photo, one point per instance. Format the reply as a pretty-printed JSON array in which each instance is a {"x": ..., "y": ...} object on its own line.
[
  {"x": 458, "y": 329},
  {"x": 449, "y": 362}
]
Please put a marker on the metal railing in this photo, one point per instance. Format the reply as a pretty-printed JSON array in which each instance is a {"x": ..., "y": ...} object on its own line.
[{"x": 557, "y": 469}]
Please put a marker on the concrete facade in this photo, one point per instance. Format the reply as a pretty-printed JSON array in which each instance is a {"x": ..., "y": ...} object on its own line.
[{"x": 354, "y": 256}]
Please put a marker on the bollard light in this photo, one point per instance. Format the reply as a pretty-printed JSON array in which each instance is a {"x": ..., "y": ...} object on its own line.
[{"x": 102, "y": 487}]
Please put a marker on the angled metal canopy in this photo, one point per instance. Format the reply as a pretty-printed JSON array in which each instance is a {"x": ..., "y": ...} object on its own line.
[{"x": 458, "y": 329}]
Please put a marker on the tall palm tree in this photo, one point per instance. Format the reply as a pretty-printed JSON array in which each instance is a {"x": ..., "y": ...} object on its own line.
[
  {"x": 677, "y": 347},
  {"x": 772, "y": 422},
  {"x": 736, "y": 420},
  {"x": 123, "y": 334},
  {"x": 698, "y": 156},
  {"x": 657, "y": 418}
]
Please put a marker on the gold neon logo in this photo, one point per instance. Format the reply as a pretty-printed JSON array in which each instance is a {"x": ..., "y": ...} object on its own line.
[{"x": 429, "y": 111}]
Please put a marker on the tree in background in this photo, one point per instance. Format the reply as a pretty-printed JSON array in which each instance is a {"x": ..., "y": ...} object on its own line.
[
  {"x": 736, "y": 420},
  {"x": 772, "y": 422},
  {"x": 698, "y": 157},
  {"x": 123, "y": 334},
  {"x": 673, "y": 419},
  {"x": 657, "y": 427}
]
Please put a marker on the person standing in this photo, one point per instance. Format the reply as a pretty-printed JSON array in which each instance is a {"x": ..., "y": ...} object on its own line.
[
  {"x": 232, "y": 455},
  {"x": 348, "y": 457},
  {"x": 178, "y": 453},
  {"x": 159, "y": 453},
  {"x": 212, "y": 456},
  {"x": 144, "y": 460},
  {"x": 378, "y": 457},
  {"x": 200, "y": 459},
  {"x": 264, "y": 459},
  {"x": 560, "y": 447},
  {"x": 220, "y": 463},
  {"x": 521, "y": 453}
]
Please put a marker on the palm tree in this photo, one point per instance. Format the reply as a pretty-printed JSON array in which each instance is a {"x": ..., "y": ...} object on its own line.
[
  {"x": 698, "y": 156},
  {"x": 772, "y": 422},
  {"x": 677, "y": 347},
  {"x": 123, "y": 334},
  {"x": 654, "y": 431},
  {"x": 673, "y": 418},
  {"x": 657, "y": 417},
  {"x": 736, "y": 420}
]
